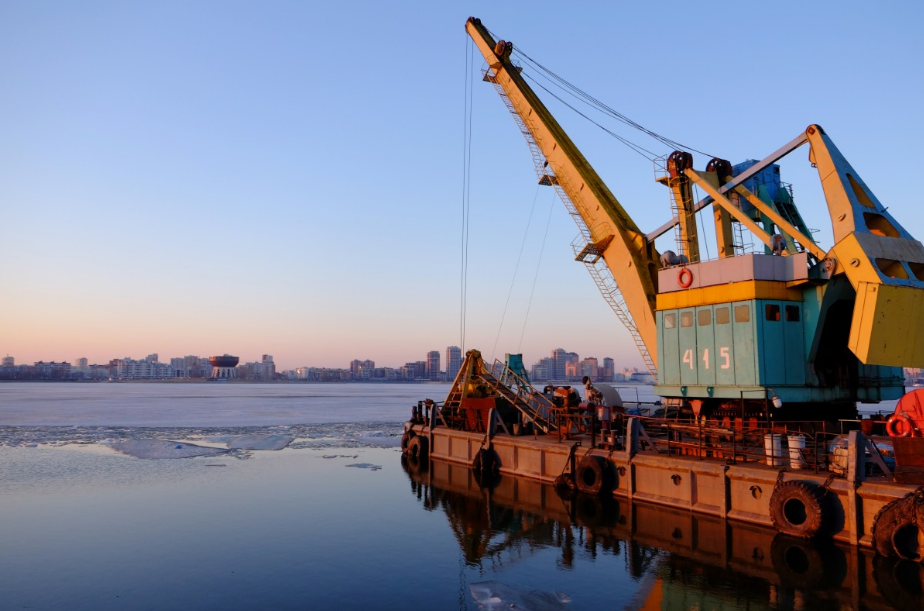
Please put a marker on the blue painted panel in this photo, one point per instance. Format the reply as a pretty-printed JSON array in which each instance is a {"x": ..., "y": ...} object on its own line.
[
  {"x": 772, "y": 351},
  {"x": 724, "y": 360},
  {"x": 669, "y": 371},
  {"x": 687, "y": 321},
  {"x": 795, "y": 343},
  {"x": 705, "y": 346},
  {"x": 745, "y": 355}
]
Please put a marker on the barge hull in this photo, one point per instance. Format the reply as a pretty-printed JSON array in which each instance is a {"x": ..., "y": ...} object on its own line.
[{"x": 738, "y": 492}]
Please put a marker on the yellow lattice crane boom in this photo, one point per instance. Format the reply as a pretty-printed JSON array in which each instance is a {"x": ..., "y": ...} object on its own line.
[{"x": 630, "y": 257}]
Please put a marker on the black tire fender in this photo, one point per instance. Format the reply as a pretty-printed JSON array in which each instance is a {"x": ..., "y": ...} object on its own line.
[
  {"x": 406, "y": 439},
  {"x": 486, "y": 461},
  {"x": 593, "y": 476},
  {"x": 417, "y": 448},
  {"x": 797, "y": 509},
  {"x": 897, "y": 529}
]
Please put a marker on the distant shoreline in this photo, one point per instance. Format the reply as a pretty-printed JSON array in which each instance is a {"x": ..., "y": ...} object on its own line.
[{"x": 223, "y": 382}]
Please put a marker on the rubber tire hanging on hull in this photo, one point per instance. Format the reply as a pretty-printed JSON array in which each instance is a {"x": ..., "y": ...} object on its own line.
[
  {"x": 897, "y": 529},
  {"x": 486, "y": 468},
  {"x": 593, "y": 476},
  {"x": 406, "y": 439},
  {"x": 417, "y": 448},
  {"x": 797, "y": 509}
]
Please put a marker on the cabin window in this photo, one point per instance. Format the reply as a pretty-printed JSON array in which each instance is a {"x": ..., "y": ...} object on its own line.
[
  {"x": 670, "y": 321},
  {"x": 686, "y": 319},
  {"x": 792, "y": 313},
  {"x": 742, "y": 313},
  {"x": 704, "y": 318},
  {"x": 772, "y": 312},
  {"x": 721, "y": 316}
]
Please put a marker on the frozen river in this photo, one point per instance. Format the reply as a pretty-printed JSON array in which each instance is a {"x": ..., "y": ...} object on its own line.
[{"x": 241, "y": 496}]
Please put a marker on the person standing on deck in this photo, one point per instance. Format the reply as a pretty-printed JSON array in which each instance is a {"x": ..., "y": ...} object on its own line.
[{"x": 591, "y": 394}]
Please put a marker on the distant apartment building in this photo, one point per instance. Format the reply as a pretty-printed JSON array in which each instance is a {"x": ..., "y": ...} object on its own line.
[
  {"x": 263, "y": 370},
  {"x": 51, "y": 369},
  {"x": 148, "y": 369},
  {"x": 362, "y": 370},
  {"x": 80, "y": 364},
  {"x": 433, "y": 365},
  {"x": 191, "y": 367},
  {"x": 8, "y": 361},
  {"x": 414, "y": 371},
  {"x": 564, "y": 365},
  {"x": 541, "y": 371},
  {"x": 588, "y": 367},
  {"x": 608, "y": 370},
  {"x": 320, "y": 374},
  {"x": 453, "y": 362}
]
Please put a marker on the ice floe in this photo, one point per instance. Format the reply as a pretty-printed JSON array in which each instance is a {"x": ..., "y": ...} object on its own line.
[
  {"x": 255, "y": 441},
  {"x": 303, "y": 436},
  {"x": 159, "y": 448},
  {"x": 495, "y": 596}
]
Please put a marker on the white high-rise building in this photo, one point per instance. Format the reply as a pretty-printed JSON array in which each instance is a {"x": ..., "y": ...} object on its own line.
[
  {"x": 433, "y": 365},
  {"x": 453, "y": 362}
]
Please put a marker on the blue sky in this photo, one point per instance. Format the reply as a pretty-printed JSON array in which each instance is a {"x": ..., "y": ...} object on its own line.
[{"x": 286, "y": 177}]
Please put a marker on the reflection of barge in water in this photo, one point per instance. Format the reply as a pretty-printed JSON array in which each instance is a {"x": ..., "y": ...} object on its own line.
[{"x": 708, "y": 560}]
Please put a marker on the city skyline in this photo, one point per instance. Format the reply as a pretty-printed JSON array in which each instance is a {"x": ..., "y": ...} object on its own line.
[
  {"x": 191, "y": 178},
  {"x": 355, "y": 366}
]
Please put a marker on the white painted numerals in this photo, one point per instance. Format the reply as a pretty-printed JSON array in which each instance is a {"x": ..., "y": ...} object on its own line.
[{"x": 724, "y": 356}]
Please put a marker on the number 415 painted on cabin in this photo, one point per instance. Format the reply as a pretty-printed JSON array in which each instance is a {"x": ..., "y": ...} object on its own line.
[{"x": 723, "y": 354}]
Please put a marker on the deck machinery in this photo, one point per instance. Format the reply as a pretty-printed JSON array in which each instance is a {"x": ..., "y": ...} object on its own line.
[{"x": 807, "y": 330}]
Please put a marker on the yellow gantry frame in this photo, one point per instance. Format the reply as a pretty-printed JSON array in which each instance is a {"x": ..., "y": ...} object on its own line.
[{"x": 628, "y": 254}]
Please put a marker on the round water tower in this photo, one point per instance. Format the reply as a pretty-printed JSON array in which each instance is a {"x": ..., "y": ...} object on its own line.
[{"x": 224, "y": 367}]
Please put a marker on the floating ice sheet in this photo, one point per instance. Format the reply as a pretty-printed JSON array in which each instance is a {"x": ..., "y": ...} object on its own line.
[
  {"x": 255, "y": 441},
  {"x": 302, "y": 436},
  {"x": 496, "y": 596},
  {"x": 159, "y": 448}
]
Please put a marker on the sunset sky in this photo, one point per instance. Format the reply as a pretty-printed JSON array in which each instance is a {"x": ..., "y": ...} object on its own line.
[{"x": 286, "y": 177}]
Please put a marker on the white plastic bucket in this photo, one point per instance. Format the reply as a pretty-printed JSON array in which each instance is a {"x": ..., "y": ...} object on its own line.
[
  {"x": 773, "y": 447},
  {"x": 796, "y": 454}
]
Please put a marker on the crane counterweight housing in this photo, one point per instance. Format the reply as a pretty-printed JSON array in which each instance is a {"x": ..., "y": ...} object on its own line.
[{"x": 816, "y": 330}]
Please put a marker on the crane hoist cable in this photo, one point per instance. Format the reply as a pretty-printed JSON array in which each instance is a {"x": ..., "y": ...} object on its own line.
[
  {"x": 466, "y": 183},
  {"x": 635, "y": 147},
  {"x": 516, "y": 268},
  {"x": 600, "y": 106},
  {"x": 536, "y": 277},
  {"x": 702, "y": 222}
]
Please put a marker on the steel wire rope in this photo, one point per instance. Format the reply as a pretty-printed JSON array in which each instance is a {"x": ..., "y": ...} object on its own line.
[
  {"x": 635, "y": 147},
  {"x": 702, "y": 223},
  {"x": 532, "y": 292},
  {"x": 466, "y": 185},
  {"x": 622, "y": 139},
  {"x": 515, "y": 270},
  {"x": 577, "y": 92}
]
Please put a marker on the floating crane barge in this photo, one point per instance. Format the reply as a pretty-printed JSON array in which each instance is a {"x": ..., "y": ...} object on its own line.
[{"x": 748, "y": 350}]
